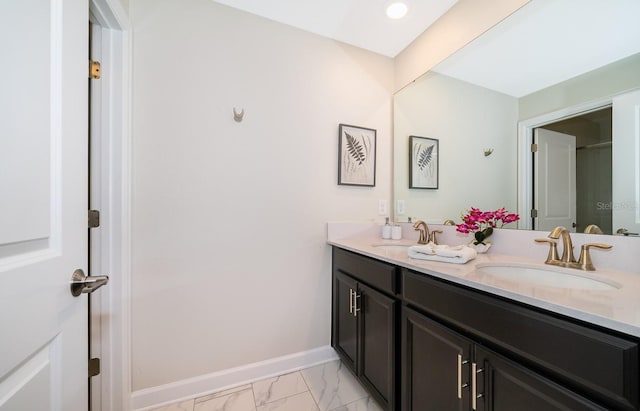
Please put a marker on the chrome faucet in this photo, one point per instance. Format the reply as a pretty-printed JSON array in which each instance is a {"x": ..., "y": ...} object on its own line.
[{"x": 421, "y": 226}]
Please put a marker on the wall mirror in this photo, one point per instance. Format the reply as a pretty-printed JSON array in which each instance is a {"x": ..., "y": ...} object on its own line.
[{"x": 552, "y": 69}]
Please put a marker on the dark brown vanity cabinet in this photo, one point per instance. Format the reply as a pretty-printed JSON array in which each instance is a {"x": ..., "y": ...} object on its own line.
[
  {"x": 420, "y": 343},
  {"x": 439, "y": 368},
  {"x": 364, "y": 322},
  {"x": 466, "y": 350}
]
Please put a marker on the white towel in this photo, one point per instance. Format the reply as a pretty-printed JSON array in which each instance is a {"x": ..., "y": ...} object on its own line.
[{"x": 444, "y": 253}]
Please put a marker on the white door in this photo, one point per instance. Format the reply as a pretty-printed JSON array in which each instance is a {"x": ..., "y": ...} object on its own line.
[
  {"x": 43, "y": 204},
  {"x": 554, "y": 180},
  {"x": 625, "y": 204}
]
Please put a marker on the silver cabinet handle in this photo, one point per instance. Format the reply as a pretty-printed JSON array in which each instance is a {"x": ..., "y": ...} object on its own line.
[
  {"x": 81, "y": 283},
  {"x": 355, "y": 303},
  {"x": 350, "y": 301},
  {"x": 460, "y": 385},
  {"x": 474, "y": 385}
]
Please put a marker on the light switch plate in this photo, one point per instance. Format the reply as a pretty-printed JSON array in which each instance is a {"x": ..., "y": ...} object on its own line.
[{"x": 382, "y": 207}]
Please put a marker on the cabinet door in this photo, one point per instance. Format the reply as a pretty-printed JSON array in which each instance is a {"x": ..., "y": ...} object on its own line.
[
  {"x": 344, "y": 338},
  {"x": 505, "y": 386},
  {"x": 436, "y": 364},
  {"x": 377, "y": 362}
]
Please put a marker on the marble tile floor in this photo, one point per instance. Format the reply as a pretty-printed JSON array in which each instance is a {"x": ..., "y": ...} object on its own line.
[{"x": 325, "y": 387}]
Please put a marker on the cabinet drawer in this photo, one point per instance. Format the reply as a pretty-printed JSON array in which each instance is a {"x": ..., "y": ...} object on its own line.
[
  {"x": 557, "y": 346},
  {"x": 375, "y": 273}
]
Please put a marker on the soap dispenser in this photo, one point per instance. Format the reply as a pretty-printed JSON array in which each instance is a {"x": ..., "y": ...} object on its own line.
[
  {"x": 396, "y": 232},
  {"x": 386, "y": 229}
]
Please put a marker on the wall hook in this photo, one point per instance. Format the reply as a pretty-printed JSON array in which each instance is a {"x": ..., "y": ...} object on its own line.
[
  {"x": 487, "y": 152},
  {"x": 238, "y": 116}
]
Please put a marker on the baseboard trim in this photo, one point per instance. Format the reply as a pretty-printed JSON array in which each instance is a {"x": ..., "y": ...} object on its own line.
[{"x": 206, "y": 384}]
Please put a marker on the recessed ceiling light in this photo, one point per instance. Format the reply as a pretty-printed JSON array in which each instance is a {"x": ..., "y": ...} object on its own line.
[{"x": 397, "y": 10}]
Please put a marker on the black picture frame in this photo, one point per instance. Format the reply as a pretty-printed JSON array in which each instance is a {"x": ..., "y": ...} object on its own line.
[
  {"x": 356, "y": 156},
  {"x": 424, "y": 162}
]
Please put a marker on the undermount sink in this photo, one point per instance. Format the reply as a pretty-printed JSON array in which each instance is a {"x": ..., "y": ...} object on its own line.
[{"x": 548, "y": 276}]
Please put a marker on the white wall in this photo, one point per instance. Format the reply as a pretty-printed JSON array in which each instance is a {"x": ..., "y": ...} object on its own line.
[
  {"x": 230, "y": 264},
  {"x": 466, "y": 119},
  {"x": 125, "y": 4},
  {"x": 613, "y": 79}
]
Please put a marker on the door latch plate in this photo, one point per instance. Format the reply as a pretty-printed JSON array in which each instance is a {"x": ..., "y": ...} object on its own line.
[
  {"x": 94, "y": 218},
  {"x": 94, "y": 367},
  {"x": 94, "y": 69}
]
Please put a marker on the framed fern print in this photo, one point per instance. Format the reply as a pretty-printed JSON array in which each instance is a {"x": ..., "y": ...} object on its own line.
[
  {"x": 357, "y": 156},
  {"x": 423, "y": 162}
]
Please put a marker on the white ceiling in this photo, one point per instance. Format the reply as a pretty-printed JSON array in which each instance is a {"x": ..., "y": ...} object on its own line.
[
  {"x": 362, "y": 23},
  {"x": 547, "y": 42},
  {"x": 542, "y": 44}
]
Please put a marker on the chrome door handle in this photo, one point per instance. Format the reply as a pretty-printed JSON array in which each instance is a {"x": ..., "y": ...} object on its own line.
[
  {"x": 81, "y": 283},
  {"x": 625, "y": 232},
  {"x": 461, "y": 362},
  {"x": 350, "y": 301},
  {"x": 474, "y": 385}
]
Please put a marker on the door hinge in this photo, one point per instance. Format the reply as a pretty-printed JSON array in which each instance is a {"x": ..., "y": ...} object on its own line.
[
  {"x": 534, "y": 148},
  {"x": 94, "y": 367},
  {"x": 94, "y": 218},
  {"x": 94, "y": 69},
  {"x": 534, "y": 213}
]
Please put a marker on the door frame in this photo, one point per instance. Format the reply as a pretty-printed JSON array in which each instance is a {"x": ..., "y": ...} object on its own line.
[
  {"x": 525, "y": 159},
  {"x": 115, "y": 207}
]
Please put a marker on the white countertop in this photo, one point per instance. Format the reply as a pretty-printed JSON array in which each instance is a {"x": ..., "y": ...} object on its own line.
[{"x": 617, "y": 309}]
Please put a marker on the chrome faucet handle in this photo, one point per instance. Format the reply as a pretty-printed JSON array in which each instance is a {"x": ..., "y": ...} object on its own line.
[
  {"x": 584, "y": 263},
  {"x": 432, "y": 238},
  {"x": 552, "y": 257}
]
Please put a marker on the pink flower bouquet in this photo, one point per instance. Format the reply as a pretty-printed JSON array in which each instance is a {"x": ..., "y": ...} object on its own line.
[{"x": 482, "y": 223}]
